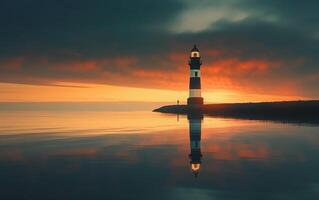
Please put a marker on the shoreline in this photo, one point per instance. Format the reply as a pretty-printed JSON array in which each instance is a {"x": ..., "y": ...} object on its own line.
[{"x": 285, "y": 111}]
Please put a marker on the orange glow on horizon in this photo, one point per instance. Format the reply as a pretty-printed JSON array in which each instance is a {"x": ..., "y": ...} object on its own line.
[
  {"x": 69, "y": 92},
  {"x": 224, "y": 78}
]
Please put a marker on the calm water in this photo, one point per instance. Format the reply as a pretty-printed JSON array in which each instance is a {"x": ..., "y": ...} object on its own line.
[{"x": 145, "y": 155}]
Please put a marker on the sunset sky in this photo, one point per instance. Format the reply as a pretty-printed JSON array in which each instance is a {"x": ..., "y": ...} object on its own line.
[{"x": 138, "y": 50}]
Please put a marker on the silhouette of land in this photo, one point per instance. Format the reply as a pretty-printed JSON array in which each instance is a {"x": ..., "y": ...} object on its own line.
[{"x": 285, "y": 111}]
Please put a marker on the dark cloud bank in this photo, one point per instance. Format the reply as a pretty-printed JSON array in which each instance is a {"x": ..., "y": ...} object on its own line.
[{"x": 123, "y": 42}]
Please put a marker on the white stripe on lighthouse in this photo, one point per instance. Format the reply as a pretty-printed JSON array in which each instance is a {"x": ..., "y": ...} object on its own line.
[
  {"x": 194, "y": 73},
  {"x": 195, "y": 93}
]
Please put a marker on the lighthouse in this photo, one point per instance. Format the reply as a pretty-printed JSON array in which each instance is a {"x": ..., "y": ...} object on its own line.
[
  {"x": 195, "y": 128},
  {"x": 195, "y": 96}
]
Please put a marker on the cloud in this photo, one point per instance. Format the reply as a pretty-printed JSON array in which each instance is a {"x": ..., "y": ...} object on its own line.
[
  {"x": 202, "y": 15},
  {"x": 265, "y": 46}
]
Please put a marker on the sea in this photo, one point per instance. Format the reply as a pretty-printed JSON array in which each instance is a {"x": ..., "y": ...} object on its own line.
[{"x": 116, "y": 153}]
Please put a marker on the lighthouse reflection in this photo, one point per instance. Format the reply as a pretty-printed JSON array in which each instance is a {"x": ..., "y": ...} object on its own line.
[{"x": 195, "y": 128}]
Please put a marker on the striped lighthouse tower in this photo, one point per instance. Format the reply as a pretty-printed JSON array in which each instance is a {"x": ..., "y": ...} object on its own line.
[{"x": 195, "y": 96}]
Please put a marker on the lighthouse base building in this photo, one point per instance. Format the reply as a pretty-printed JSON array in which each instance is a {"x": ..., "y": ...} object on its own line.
[
  {"x": 195, "y": 96},
  {"x": 195, "y": 101}
]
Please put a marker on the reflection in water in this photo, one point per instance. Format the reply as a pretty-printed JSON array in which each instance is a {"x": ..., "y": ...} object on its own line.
[
  {"x": 195, "y": 129},
  {"x": 86, "y": 155}
]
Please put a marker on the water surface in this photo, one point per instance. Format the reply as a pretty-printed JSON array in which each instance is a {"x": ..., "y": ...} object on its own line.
[{"x": 145, "y": 155}]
